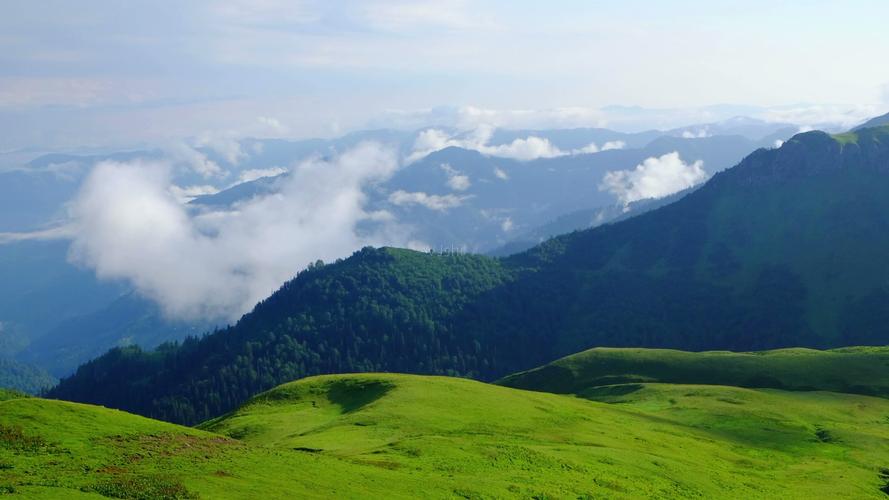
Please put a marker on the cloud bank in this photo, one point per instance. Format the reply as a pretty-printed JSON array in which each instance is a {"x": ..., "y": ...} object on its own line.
[
  {"x": 529, "y": 148},
  {"x": 127, "y": 224},
  {"x": 696, "y": 134},
  {"x": 55, "y": 233},
  {"x": 653, "y": 178},
  {"x": 439, "y": 203}
]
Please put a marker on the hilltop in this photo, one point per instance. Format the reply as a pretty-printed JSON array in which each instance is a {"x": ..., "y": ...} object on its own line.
[
  {"x": 860, "y": 370},
  {"x": 390, "y": 436}
]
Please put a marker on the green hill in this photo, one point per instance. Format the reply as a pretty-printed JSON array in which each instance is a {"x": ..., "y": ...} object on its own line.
[
  {"x": 858, "y": 370},
  {"x": 784, "y": 250},
  {"x": 400, "y": 436}
]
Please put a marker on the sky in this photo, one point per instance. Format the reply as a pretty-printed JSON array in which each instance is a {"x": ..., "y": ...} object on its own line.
[
  {"x": 113, "y": 74},
  {"x": 188, "y": 77}
]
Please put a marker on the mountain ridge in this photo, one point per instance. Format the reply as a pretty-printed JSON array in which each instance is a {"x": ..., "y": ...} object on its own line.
[{"x": 772, "y": 253}]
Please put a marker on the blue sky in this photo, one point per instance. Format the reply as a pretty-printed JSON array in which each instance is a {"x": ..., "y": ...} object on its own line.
[{"x": 102, "y": 73}]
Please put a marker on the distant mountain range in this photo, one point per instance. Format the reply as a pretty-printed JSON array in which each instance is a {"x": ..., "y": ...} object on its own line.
[
  {"x": 785, "y": 249},
  {"x": 56, "y": 315},
  {"x": 500, "y": 198}
]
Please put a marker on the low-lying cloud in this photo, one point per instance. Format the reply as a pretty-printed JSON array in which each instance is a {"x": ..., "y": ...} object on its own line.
[
  {"x": 439, "y": 203},
  {"x": 696, "y": 134},
  {"x": 259, "y": 173},
  {"x": 655, "y": 177},
  {"x": 128, "y": 224},
  {"x": 529, "y": 148},
  {"x": 456, "y": 179},
  {"x": 189, "y": 193},
  {"x": 180, "y": 152},
  {"x": 224, "y": 144},
  {"x": 60, "y": 232}
]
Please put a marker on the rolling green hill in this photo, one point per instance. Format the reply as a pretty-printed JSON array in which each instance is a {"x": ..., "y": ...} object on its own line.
[
  {"x": 784, "y": 250},
  {"x": 858, "y": 370},
  {"x": 400, "y": 436}
]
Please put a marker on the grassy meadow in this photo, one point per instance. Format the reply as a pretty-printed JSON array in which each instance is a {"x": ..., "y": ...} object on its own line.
[{"x": 405, "y": 436}]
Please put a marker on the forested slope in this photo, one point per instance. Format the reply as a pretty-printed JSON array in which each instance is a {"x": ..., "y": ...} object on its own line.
[{"x": 786, "y": 249}]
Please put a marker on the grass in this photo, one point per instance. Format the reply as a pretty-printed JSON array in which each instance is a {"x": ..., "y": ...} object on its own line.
[
  {"x": 880, "y": 131},
  {"x": 403, "y": 436},
  {"x": 856, "y": 370},
  {"x": 846, "y": 138},
  {"x": 11, "y": 394}
]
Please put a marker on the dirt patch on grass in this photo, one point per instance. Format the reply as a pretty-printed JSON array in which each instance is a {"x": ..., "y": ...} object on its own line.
[
  {"x": 141, "y": 488},
  {"x": 167, "y": 445},
  {"x": 15, "y": 439},
  {"x": 111, "y": 469}
]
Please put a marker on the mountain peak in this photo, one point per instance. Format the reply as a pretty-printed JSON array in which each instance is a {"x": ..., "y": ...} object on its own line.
[{"x": 815, "y": 153}]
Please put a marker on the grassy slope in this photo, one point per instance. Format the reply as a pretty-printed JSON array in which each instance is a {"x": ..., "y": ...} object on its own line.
[
  {"x": 857, "y": 370},
  {"x": 395, "y": 436}
]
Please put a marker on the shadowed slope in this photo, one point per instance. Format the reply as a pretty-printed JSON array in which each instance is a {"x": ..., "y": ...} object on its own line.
[
  {"x": 860, "y": 370},
  {"x": 400, "y": 436}
]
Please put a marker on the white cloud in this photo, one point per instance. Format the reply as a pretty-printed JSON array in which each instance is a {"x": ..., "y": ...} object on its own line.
[
  {"x": 501, "y": 174},
  {"x": 186, "y": 194},
  {"x": 588, "y": 149},
  {"x": 506, "y": 225},
  {"x": 778, "y": 143},
  {"x": 613, "y": 145},
  {"x": 55, "y": 233},
  {"x": 653, "y": 178},
  {"x": 819, "y": 116},
  {"x": 529, "y": 148},
  {"x": 456, "y": 180},
  {"x": 471, "y": 117},
  {"x": 218, "y": 264},
  {"x": 593, "y": 148},
  {"x": 439, "y": 203},
  {"x": 696, "y": 134},
  {"x": 258, "y": 173},
  {"x": 225, "y": 144},
  {"x": 459, "y": 182},
  {"x": 181, "y": 152},
  {"x": 468, "y": 118},
  {"x": 67, "y": 170},
  {"x": 273, "y": 125}
]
